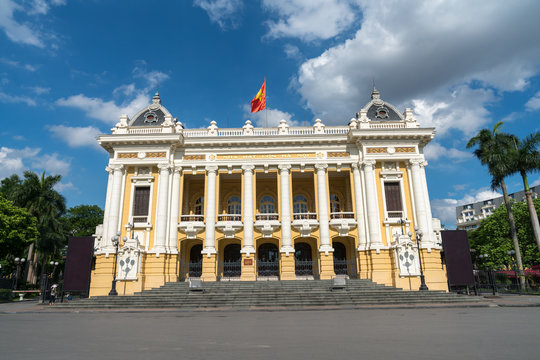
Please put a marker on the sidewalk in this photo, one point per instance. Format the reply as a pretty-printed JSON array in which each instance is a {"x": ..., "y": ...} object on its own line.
[{"x": 28, "y": 306}]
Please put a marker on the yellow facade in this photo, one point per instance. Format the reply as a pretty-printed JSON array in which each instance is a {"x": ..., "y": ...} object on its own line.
[{"x": 283, "y": 209}]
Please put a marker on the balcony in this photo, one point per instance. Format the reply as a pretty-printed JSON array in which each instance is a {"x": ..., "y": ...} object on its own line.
[
  {"x": 342, "y": 222},
  {"x": 229, "y": 224},
  {"x": 394, "y": 216},
  {"x": 191, "y": 225},
  {"x": 267, "y": 224},
  {"x": 305, "y": 223}
]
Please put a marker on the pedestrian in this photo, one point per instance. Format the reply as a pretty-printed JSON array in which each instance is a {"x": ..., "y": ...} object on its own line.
[{"x": 53, "y": 294}]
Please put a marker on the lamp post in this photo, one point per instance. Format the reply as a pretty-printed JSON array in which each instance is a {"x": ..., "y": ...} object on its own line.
[
  {"x": 419, "y": 233},
  {"x": 19, "y": 263},
  {"x": 115, "y": 240},
  {"x": 401, "y": 223},
  {"x": 511, "y": 253},
  {"x": 55, "y": 264}
]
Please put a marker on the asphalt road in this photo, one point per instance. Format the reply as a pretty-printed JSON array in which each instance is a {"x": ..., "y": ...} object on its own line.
[{"x": 463, "y": 333}]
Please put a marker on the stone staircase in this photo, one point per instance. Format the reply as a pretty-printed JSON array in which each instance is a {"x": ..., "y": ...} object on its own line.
[{"x": 274, "y": 295}]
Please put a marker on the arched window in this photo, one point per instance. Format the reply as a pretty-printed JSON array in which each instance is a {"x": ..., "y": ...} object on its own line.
[
  {"x": 335, "y": 204},
  {"x": 234, "y": 205},
  {"x": 266, "y": 206},
  {"x": 300, "y": 204},
  {"x": 199, "y": 206}
]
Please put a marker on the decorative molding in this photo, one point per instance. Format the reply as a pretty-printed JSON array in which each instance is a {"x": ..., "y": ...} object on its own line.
[
  {"x": 266, "y": 156},
  {"x": 160, "y": 154},
  {"x": 337, "y": 154},
  {"x": 194, "y": 157},
  {"x": 403, "y": 149},
  {"x": 376, "y": 150},
  {"x": 130, "y": 155}
]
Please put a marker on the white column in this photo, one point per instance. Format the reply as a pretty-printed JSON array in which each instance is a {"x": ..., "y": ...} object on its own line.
[
  {"x": 359, "y": 207},
  {"x": 430, "y": 236},
  {"x": 419, "y": 199},
  {"x": 161, "y": 213},
  {"x": 175, "y": 208},
  {"x": 324, "y": 218},
  {"x": 375, "y": 240},
  {"x": 285, "y": 205},
  {"x": 209, "y": 241},
  {"x": 105, "y": 241},
  {"x": 247, "y": 203},
  {"x": 114, "y": 212}
]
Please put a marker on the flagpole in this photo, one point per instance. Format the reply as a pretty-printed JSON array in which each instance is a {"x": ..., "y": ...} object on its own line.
[{"x": 265, "y": 108}]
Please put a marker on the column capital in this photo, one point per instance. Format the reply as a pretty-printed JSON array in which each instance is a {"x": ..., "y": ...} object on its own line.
[
  {"x": 368, "y": 163},
  {"x": 211, "y": 169},
  {"x": 419, "y": 162},
  {"x": 356, "y": 166},
  {"x": 248, "y": 168},
  {"x": 108, "y": 169},
  {"x": 164, "y": 167},
  {"x": 284, "y": 167},
  {"x": 177, "y": 169},
  {"x": 116, "y": 167},
  {"x": 321, "y": 167}
]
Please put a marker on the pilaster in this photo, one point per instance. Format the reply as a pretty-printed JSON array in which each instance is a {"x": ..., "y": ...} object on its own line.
[
  {"x": 210, "y": 214},
  {"x": 285, "y": 205},
  {"x": 209, "y": 267},
  {"x": 326, "y": 266},
  {"x": 249, "y": 268},
  {"x": 287, "y": 266}
]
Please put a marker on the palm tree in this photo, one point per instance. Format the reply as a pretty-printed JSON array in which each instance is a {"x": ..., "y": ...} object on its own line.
[
  {"x": 38, "y": 196},
  {"x": 493, "y": 148},
  {"x": 525, "y": 159}
]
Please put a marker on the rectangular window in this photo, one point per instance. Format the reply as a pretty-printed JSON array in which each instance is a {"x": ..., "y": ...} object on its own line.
[
  {"x": 141, "y": 202},
  {"x": 392, "y": 193}
]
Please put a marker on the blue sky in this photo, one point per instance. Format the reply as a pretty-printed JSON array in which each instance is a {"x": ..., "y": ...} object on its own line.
[{"x": 70, "y": 68}]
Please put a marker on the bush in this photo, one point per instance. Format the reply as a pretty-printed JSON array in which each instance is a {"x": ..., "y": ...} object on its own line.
[{"x": 5, "y": 295}]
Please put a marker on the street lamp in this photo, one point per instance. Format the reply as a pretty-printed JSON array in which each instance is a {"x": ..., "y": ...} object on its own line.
[
  {"x": 115, "y": 240},
  {"x": 55, "y": 264},
  {"x": 19, "y": 263},
  {"x": 419, "y": 233},
  {"x": 401, "y": 223}
]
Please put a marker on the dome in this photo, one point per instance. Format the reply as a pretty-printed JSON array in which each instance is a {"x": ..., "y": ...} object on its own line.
[
  {"x": 379, "y": 110},
  {"x": 152, "y": 115}
]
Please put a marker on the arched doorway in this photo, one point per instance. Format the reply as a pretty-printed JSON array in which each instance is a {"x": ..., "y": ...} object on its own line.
[
  {"x": 340, "y": 258},
  {"x": 268, "y": 260},
  {"x": 303, "y": 259},
  {"x": 195, "y": 261},
  {"x": 232, "y": 261}
]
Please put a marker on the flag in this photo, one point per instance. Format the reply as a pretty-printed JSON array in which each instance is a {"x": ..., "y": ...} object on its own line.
[{"x": 259, "y": 101}]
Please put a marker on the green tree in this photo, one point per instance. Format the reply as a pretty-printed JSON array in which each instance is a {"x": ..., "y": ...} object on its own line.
[
  {"x": 38, "y": 196},
  {"x": 492, "y": 237},
  {"x": 524, "y": 158},
  {"x": 492, "y": 151},
  {"x": 8, "y": 186},
  {"x": 17, "y": 231},
  {"x": 82, "y": 220}
]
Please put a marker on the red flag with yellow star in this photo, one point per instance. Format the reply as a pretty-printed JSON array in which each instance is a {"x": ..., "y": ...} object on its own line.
[{"x": 259, "y": 101}]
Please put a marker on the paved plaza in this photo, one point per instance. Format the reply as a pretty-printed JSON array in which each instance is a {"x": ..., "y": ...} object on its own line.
[{"x": 428, "y": 333}]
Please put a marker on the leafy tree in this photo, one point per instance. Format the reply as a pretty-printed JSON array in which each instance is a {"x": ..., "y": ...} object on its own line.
[
  {"x": 8, "y": 186},
  {"x": 524, "y": 158},
  {"x": 492, "y": 150},
  {"x": 493, "y": 235},
  {"x": 38, "y": 196},
  {"x": 82, "y": 220},
  {"x": 17, "y": 231}
]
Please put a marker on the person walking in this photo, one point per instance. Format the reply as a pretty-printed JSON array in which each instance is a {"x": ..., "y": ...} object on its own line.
[{"x": 52, "y": 299}]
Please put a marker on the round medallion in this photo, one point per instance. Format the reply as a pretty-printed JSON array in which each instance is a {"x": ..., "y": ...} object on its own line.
[
  {"x": 141, "y": 155},
  {"x": 390, "y": 150}
]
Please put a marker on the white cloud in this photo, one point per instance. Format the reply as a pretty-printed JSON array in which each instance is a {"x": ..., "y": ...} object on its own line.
[
  {"x": 15, "y": 99},
  {"x": 62, "y": 187},
  {"x": 106, "y": 111},
  {"x": 12, "y": 160},
  {"x": 270, "y": 116},
  {"x": 440, "y": 53},
  {"x": 17, "y": 64},
  {"x": 223, "y": 12},
  {"x": 25, "y": 32},
  {"x": 52, "y": 164},
  {"x": 76, "y": 136},
  {"x": 435, "y": 151},
  {"x": 534, "y": 102},
  {"x": 39, "y": 90},
  {"x": 309, "y": 19},
  {"x": 15, "y": 31},
  {"x": 445, "y": 209},
  {"x": 292, "y": 52},
  {"x": 153, "y": 77}
]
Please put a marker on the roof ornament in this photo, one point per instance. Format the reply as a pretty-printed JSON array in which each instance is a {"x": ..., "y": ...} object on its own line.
[{"x": 156, "y": 99}]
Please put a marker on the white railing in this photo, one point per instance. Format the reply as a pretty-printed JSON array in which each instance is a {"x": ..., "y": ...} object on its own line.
[
  {"x": 385, "y": 125},
  {"x": 146, "y": 130},
  {"x": 303, "y": 130}
]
